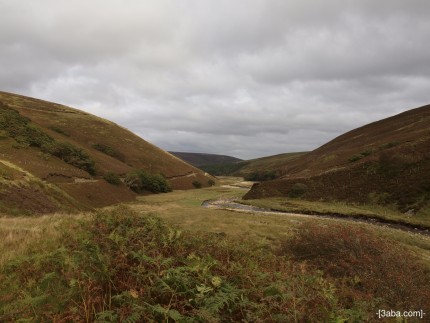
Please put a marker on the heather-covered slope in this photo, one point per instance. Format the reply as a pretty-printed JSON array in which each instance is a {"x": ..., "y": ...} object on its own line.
[
  {"x": 199, "y": 159},
  {"x": 263, "y": 168},
  {"x": 71, "y": 151},
  {"x": 386, "y": 162}
]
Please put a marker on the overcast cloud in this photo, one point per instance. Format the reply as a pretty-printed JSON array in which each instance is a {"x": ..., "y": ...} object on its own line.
[{"x": 246, "y": 78}]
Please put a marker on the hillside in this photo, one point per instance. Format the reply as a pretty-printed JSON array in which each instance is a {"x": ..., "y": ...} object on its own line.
[
  {"x": 385, "y": 162},
  {"x": 254, "y": 169},
  {"x": 53, "y": 157},
  {"x": 199, "y": 159}
]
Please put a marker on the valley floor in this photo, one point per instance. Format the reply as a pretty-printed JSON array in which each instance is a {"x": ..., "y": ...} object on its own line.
[{"x": 351, "y": 248}]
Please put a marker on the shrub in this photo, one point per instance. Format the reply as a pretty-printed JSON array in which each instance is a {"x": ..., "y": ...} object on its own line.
[
  {"x": 59, "y": 130},
  {"x": 71, "y": 155},
  {"x": 197, "y": 184},
  {"x": 27, "y": 134},
  {"x": 211, "y": 182},
  {"x": 140, "y": 181},
  {"x": 366, "y": 267},
  {"x": 109, "y": 151},
  {"x": 112, "y": 178},
  {"x": 360, "y": 156},
  {"x": 389, "y": 145},
  {"x": 132, "y": 180},
  {"x": 297, "y": 190},
  {"x": 261, "y": 176}
]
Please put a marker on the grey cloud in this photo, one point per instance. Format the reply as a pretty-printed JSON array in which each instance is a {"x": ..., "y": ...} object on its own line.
[{"x": 246, "y": 78}]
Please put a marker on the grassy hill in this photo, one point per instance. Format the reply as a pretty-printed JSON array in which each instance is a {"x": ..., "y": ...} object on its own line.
[
  {"x": 385, "y": 162},
  {"x": 199, "y": 159},
  {"x": 53, "y": 157},
  {"x": 254, "y": 169}
]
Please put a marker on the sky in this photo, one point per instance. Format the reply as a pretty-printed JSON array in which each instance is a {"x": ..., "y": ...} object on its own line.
[{"x": 246, "y": 78}]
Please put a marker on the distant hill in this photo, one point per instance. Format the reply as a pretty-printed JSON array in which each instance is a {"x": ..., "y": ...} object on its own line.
[
  {"x": 53, "y": 158},
  {"x": 199, "y": 159},
  {"x": 385, "y": 162},
  {"x": 254, "y": 169}
]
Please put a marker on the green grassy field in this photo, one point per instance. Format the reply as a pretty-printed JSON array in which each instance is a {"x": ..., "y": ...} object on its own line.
[{"x": 165, "y": 258}]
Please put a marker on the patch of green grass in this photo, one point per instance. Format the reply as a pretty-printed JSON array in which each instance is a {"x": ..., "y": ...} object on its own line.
[
  {"x": 108, "y": 150},
  {"x": 59, "y": 130},
  {"x": 183, "y": 208},
  {"x": 360, "y": 155}
]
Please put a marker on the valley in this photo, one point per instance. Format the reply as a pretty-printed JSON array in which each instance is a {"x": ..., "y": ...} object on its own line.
[
  {"x": 112, "y": 228},
  {"x": 214, "y": 161}
]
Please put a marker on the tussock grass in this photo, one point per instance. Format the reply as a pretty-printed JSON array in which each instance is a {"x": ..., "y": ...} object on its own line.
[
  {"x": 183, "y": 208},
  {"x": 21, "y": 235}
]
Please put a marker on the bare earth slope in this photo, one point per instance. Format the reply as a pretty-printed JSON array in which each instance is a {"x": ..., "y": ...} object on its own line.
[
  {"x": 109, "y": 148},
  {"x": 385, "y": 162}
]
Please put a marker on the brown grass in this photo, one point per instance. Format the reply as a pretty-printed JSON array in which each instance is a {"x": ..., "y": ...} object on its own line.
[
  {"x": 18, "y": 235},
  {"x": 370, "y": 265}
]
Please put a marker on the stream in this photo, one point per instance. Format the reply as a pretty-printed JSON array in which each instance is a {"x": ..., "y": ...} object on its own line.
[{"x": 232, "y": 205}]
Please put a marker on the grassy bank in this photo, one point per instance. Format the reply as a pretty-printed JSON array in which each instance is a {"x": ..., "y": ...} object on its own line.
[{"x": 295, "y": 205}]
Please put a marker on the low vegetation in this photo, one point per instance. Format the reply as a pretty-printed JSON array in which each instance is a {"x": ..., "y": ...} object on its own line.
[
  {"x": 108, "y": 150},
  {"x": 27, "y": 134},
  {"x": 360, "y": 156},
  {"x": 125, "y": 266},
  {"x": 262, "y": 175},
  {"x": 259, "y": 169},
  {"x": 112, "y": 178},
  {"x": 360, "y": 262},
  {"x": 197, "y": 184},
  {"x": 141, "y": 181},
  {"x": 59, "y": 130},
  {"x": 224, "y": 169}
]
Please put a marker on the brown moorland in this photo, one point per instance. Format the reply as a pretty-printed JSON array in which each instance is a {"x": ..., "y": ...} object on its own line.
[
  {"x": 199, "y": 159},
  {"x": 386, "y": 162},
  {"x": 54, "y": 148}
]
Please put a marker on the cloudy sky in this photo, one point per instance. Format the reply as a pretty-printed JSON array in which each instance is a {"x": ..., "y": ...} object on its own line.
[{"x": 246, "y": 78}]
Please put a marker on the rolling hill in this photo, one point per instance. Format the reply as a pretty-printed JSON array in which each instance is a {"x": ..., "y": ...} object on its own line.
[
  {"x": 385, "y": 162},
  {"x": 54, "y": 157},
  {"x": 254, "y": 169},
  {"x": 199, "y": 159}
]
